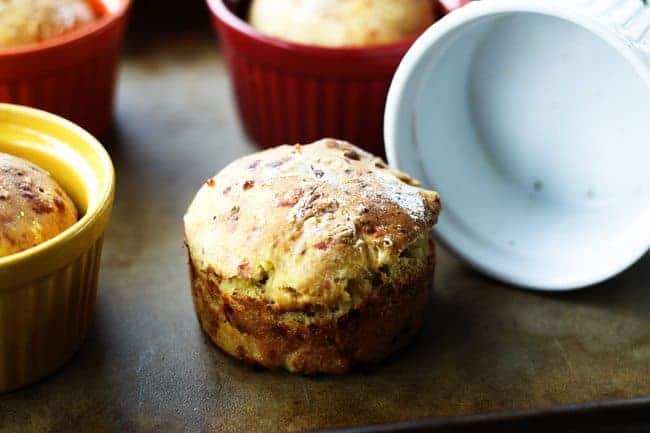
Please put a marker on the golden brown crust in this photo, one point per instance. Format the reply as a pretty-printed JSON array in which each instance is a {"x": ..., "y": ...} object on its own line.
[
  {"x": 257, "y": 332},
  {"x": 33, "y": 207},
  {"x": 313, "y": 258},
  {"x": 305, "y": 220},
  {"x": 28, "y": 21},
  {"x": 342, "y": 22}
]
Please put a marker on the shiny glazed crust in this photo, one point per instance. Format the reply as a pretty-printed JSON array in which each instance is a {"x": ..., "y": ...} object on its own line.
[
  {"x": 33, "y": 207},
  {"x": 313, "y": 258}
]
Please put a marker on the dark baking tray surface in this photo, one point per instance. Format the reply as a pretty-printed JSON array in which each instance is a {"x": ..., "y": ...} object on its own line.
[
  {"x": 146, "y": 366},
  {"x": 632, "y": 416}
]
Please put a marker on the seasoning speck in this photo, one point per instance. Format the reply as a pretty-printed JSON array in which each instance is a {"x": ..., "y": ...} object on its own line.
[
  {"x": 352, "y": 154},
  {"x": 234, "y": 213},
  {"x": 248, "y": 185},
  {"x": 369, "y": 229},
  {"x": 317, "y": 172},
  {"x": 60, "y": 205},
  {"x": 254, "y": 164},
  {"x": 278, "y": 162},
  {"x": 211, "y": 183}
]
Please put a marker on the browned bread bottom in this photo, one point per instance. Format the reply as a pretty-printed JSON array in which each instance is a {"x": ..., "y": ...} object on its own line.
[{"x": 311, "y": 342}]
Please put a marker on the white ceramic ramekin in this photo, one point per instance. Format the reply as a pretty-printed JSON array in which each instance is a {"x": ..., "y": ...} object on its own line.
[{"x": 532, "y": 119}]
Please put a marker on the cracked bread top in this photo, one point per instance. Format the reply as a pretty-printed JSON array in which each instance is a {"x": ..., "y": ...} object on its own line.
[{"x": 309, "y": 224}]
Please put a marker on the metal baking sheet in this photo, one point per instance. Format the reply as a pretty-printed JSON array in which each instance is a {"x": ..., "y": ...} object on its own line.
[
  {"x": 613, "y": 416},
  {"x": 147, "y": 367}
]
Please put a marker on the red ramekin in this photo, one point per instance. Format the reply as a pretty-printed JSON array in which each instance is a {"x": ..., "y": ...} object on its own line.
[
  {"x": 293, "y": 93},
  {"x": 73, "y": 75},
  {"x": 450, "y": 5}
]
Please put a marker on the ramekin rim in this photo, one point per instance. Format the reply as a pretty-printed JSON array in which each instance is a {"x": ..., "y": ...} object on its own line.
[
  {"x": 96, "y": 27},
  {"x": 94, "y": 211},
  {"x": 225, "y": 15}
]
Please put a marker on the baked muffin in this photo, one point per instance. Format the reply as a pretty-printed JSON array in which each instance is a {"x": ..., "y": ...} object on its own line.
[
  {"x": 311, "y": 258},
  {"x": 342, "y": 22},
  {"x": 33, "y": 207},
  {"x": 27, "y": 21}
]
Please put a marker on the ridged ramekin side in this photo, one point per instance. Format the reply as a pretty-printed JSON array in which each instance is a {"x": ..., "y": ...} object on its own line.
[
  {"x": 278, "y": 106},
  {"x": 82, "y": 93},
  {"x": 73, "y": 76},
  {"x": 42, "y": 324}
]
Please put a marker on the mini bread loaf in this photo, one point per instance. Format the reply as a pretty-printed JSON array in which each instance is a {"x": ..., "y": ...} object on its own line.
[
  {"x": 311, "y": 258},
  {"x": 27, "y": 21},
  {"x": 340, "y": 23},
  {"x": 33, "y": 207}
]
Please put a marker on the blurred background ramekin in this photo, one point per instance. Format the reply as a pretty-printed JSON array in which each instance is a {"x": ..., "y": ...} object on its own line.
[
  {"x": 47, "y": 293},
  {"x": 73, "y": 75},
  {"x": 450, "y": 5},
  {"x": 294, "y": 93}
]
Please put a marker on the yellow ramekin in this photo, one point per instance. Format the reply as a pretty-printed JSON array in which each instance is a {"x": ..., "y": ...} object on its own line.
[{"x": 47, "y": 293}]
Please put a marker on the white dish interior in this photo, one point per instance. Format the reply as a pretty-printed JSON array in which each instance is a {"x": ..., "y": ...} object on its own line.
[{"x": 536, "y": 133}]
